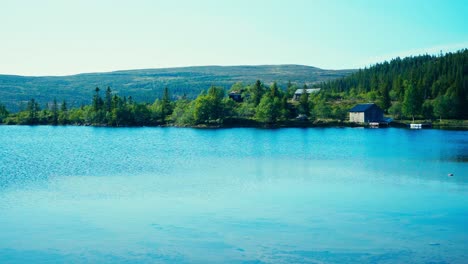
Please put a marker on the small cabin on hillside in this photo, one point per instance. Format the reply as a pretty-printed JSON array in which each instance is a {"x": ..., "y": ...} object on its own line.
[
  {"x": 299, "y": 92},
  {"x": 236, "y": 96},
  {"x": 366, "y": 113}
]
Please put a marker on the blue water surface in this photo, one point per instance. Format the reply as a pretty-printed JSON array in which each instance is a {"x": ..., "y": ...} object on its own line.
[{"x": 181, "y": 195}]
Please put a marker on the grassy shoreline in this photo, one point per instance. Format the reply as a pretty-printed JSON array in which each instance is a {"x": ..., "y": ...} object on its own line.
[{"x": 319, "y": 123}]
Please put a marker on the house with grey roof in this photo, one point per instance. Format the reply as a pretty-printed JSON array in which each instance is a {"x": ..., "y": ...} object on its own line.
[{"x": 299, "y": 92}]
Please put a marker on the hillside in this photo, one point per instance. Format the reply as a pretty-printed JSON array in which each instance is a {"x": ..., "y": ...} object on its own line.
[{"x": 147, "y": 84}]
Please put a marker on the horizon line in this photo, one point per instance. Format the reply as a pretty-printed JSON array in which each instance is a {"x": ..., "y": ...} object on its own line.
[
  {"x": 368, "y": 65},
  {"x": 174, "y": 67}
]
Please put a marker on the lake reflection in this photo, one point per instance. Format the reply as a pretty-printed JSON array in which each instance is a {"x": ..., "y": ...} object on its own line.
[{"x": 173, "y": 195}]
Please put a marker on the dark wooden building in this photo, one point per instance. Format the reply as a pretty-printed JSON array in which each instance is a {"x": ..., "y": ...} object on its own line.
[
  {"x": 366, "y": 113},
  {"x": 236, "y": 96}
]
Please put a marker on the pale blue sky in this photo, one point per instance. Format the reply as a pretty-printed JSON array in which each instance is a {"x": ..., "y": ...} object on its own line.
[{"x": 59, "y": 37}]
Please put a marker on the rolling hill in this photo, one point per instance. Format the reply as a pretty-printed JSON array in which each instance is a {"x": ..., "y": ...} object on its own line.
[{"x": 147, "y": 84}]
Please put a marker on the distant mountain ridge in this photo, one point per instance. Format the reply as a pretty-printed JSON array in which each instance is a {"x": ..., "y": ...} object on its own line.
[{"x": 147, "y": 84}]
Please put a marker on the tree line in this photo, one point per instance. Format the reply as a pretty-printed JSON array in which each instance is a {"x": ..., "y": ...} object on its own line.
[
  {"x": 416, "y": 87},
  {"x": 258, "y": 103}
]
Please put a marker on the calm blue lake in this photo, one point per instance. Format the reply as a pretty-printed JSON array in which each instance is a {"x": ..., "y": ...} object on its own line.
[{"x": 176, "y": 195}]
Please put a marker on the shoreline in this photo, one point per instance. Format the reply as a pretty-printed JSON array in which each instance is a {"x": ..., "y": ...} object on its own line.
[{"x": 461, "y": 125}]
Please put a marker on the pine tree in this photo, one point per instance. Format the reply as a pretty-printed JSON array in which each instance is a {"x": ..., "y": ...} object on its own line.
[
  {"x": 97, "y": 100},
  {"x": 63, "y": 107},
  {"x": 274, "y": 90},
  {"x": 55, "y": 112},
  {"x": 386, "y": 101},
  {"x": 256, "y": 92},
  {"x": 3, "y": 112},
  {"x": 33, "y": 110},
  {"x": 108, "y": 101},
  {"x": 166, "y": 107},
  {"x": 63, "y": 116}
]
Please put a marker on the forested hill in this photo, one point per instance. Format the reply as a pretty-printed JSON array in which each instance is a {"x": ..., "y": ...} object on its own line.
[
  {"x": 423, "y": 86},
  {"x": 147, "y": 85}
]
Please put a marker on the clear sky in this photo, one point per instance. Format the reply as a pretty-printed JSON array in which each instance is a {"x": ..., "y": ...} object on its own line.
[{"x": 59, "y": 37}]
